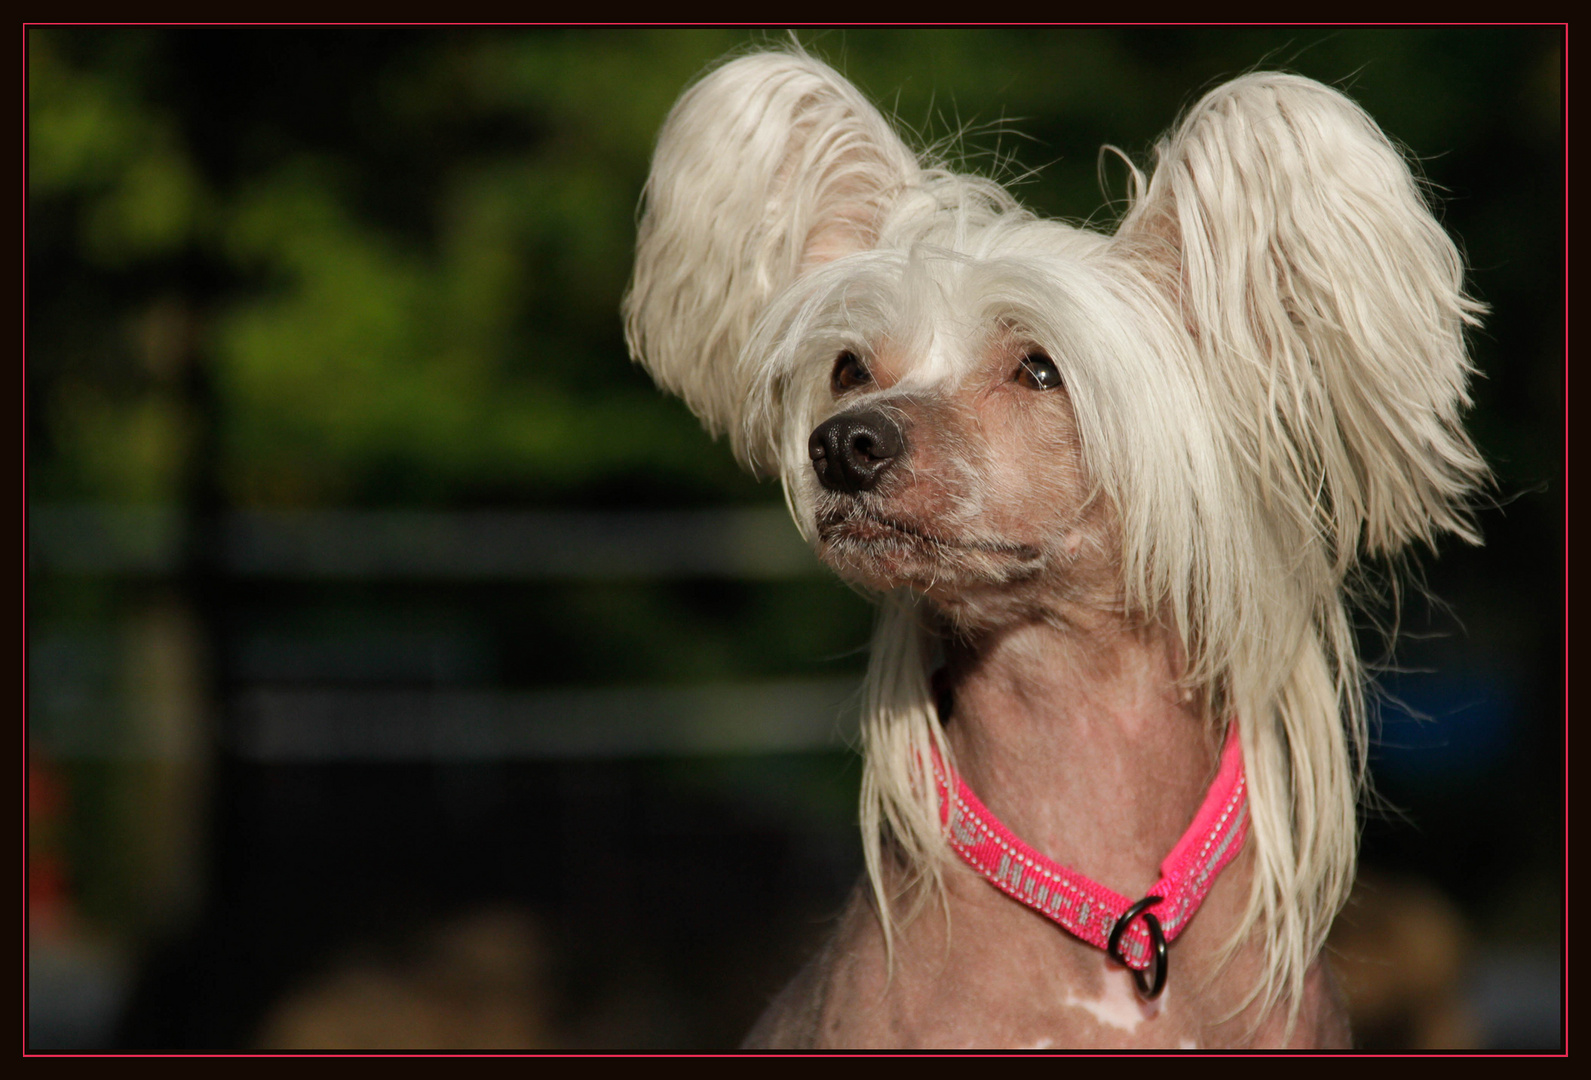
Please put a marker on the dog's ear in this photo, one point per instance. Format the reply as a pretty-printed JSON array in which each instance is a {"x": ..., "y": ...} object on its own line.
[
  {"x": 769, "y": 166},
  {"x": 1327, "y": 302}
]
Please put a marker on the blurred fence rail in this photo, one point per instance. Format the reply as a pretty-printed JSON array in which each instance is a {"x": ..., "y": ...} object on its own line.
[
  {"x": 460, "y": 725},
  {"x": 384, "y": 691},
  {"x": 750, "y": 544}
]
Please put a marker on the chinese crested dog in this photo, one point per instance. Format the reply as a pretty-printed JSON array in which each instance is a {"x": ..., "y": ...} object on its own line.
[{"x": 1112, "y": 492}]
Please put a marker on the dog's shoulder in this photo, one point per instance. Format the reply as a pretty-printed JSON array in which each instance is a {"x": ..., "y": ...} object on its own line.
[
  {"x": 803, "y": 1015},
  {"x": 790, "y": 1022}
]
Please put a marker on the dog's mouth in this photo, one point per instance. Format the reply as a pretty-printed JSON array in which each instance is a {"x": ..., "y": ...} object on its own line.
[{"x": 843, "y": 530}]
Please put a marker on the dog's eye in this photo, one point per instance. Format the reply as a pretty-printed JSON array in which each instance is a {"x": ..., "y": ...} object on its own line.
[
  {"x": 849, "y": 373},
  {"x": 1038, "y": 372}
]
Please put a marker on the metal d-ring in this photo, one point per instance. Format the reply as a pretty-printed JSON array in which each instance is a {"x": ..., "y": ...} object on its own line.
[{"x": 1157, "y": 939}]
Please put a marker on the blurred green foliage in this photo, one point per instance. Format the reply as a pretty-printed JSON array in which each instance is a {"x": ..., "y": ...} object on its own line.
[{"x": 383, "y": 266}]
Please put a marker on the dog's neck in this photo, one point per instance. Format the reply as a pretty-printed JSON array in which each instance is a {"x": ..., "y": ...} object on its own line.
[{"x": 1081, "y": 739}]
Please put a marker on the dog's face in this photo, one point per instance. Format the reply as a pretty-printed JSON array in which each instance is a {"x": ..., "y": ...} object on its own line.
[
  {"x": 939, "y": 410},
  {"x": 947, "y": 459}
]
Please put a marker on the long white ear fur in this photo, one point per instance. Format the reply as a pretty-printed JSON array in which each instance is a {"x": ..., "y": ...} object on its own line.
[
  {"x": 768, "y": 166},
  {"x": 1328, "y": 304}
]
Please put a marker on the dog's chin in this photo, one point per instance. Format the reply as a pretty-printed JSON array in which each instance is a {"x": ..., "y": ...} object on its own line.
[{"x": 883, "y": 552}]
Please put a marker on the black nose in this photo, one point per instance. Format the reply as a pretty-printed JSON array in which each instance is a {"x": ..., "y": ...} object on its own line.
[{"x": 851, "y": 451}]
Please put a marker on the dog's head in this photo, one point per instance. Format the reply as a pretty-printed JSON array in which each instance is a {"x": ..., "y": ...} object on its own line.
[{"x": 1264, "y": 362}]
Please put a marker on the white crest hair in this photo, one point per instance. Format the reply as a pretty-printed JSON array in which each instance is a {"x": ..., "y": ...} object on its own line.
[{"x": 1266, "y": 362}]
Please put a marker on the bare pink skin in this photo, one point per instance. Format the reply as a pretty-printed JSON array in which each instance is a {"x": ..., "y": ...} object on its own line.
[{"x": 1070, "y": 721}]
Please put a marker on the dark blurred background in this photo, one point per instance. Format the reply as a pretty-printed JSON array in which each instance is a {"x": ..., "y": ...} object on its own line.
[{"x": 405, "y": 670}]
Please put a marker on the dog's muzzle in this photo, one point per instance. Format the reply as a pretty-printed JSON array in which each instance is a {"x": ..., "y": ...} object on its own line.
[{"x": 851, "y": 451}]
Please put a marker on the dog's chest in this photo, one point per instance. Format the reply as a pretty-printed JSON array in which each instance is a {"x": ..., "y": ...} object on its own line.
[
  {"x": 987, "y": 986},
  {"x": 1004, "y": 979}
]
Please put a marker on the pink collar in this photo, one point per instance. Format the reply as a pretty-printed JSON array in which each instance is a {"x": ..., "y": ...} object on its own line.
[{"x": 1128, "y": 931}]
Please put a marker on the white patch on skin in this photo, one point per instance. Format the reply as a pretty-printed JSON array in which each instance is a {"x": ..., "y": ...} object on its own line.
[
  {"x": 1042, "y": 1044},
  {"x": 1119, "y": 1008},
  {"x": 1188, "y": 1044}
]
